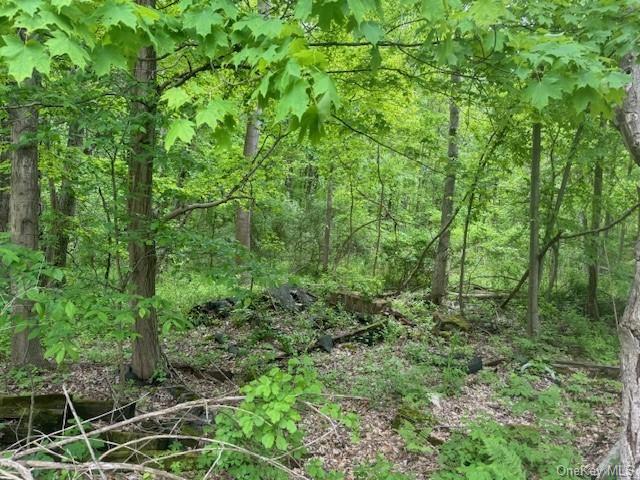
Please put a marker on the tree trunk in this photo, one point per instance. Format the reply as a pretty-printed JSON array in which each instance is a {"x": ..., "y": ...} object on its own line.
[
  {"x": 379, "y": 219},
  {"x": 243, "y": 215},
  {"x": 5, "y": 158},
  {"x": 553, "y": 269},
  {"x": 328, "y": 219},
  {"x": 440, "y": 279},
  {"x": 591, "y": 308},
  {"x": 24, "y": 206},
  {"x": 147, "y": 354},
  {"x": 64, "y": 205},
  {"x": 533, "y": 318},
  {"x": 628, "y": 121}
]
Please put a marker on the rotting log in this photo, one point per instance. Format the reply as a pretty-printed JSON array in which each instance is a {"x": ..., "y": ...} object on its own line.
[
  {"x": 355, "y": 302},
  {"x": 608, "y": 371}
]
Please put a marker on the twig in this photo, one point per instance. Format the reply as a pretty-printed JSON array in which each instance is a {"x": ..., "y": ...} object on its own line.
[{"x": 83, "y": 432}]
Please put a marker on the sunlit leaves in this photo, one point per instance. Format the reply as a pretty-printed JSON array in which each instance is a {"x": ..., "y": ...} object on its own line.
[
  {"x": 180, "y": 129},
  {"x": 214, "y": 113},
  {"x": 60, "y": 44},
  {"x": 372, "y": 31},
  {"x": 202, "y": 20},
  {"x": 106, "y": 57},
  {"x": 175, "y": 98},
  {"x": 24, "y": 57},
  {"x": 294, "y": 101},
  {"x": 117, "y": 13}
]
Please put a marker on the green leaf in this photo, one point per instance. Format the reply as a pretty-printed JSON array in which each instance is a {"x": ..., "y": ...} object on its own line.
[
  {"x": 281, "y": 443},
  {"x": 60, "y": 44},
  {"x": 113, "y": 13},
  {"x": 60, "y": 355},
  {"x": 175, "y": 98},
  {"x": 303, "y": 9},
  {"x": 214, "y": 113},
  {"x": 70, "y": 310},
  {"x": 202, "y": 20},
  {"x": 539, "y": 93},
  {"x": 180, "y": 129},
  {"x": 433, "y": 9},
  {"x": 294, "y": 101},
  {"x": 358, "y": 9},
  {"x": 372, "y": 32},
  {"x": 24, "y": 58},
  {"x": 106, "y": 57},
  {"x": 268, "y": 439}
]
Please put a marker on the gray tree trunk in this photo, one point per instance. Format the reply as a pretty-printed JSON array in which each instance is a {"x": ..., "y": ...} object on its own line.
[
  {"x": 328, "y": 220},
  {"x": 147, "y": 354},
  {"x": 440, "y": 279},
  {"x": 591, "y": 307},
  {"x": 533, "y": 317},
  {"x": 5, "y": 178},
  {"x": 63, "y": 204},
  {"x": 243, "y": 215},
  {"x": 24, "y": 210},
  {"x": 628, "y": 121}
]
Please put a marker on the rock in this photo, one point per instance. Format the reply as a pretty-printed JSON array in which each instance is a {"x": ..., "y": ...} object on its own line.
[
  {"x": 214, "y": 308},
  {"x": 233, "y": 350},
  {"x": 474, "y": 365},
  {"x": 282, "y": 297},
  {"x": 326, "y": 343},
  {"x": 357, "y": 303},
  {"x": 220, "y": 338},
  {"x": 290, "y": 297},
  {"x": 448, "y": 323}
]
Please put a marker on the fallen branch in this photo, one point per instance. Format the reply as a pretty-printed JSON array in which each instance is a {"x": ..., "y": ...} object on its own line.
[
  {"x": 609, "y": 371},
  {"x": 207, "y": 403}
]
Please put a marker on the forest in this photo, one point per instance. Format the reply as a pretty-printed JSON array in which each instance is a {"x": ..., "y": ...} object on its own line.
[{"x": 320, "y": 239}]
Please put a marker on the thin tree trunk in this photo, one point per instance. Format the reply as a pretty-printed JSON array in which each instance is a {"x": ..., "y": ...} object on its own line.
[
  {"x": 147, "y": 354},
  {"x": 24, "y": 206},
  {"x": 64, "y": 205},
  {"x": 621, "y": 241},
  {"x": 328, "y": 220},
  {"x": 440, "y": 280},
  {"x": 553, "y": 217},
  {"x": 533, "y": 318},
  {"x": 553, "y": 269},
  {"x": 592, "y": 245},
  {"x": 379, "y": 222},
  {"x": 243, "y": 215},
  {"x": 628, "y": 121},
  {"x": 5, "y": 178}
]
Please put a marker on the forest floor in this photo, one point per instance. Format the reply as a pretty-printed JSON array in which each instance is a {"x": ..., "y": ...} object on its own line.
[{"x": 409, "y": 385}]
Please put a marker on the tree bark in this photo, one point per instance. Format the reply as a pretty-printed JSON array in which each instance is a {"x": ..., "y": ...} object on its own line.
[
  {"x": 243, "y": 215},
  {"x": 64, "y": 204},
  {"x": 591, "y": 307},
  {"x": 440, "y": 279},
  {"x": 328, "y": 220},
  {"x": 24, "y": 210},
  {"x": 533, "y": 318},
  {"x": 628, "y": 121},
  {"x": 379, "y": 220},
  {"x": 553, "y": 269},
  {"x": 147, "y": 354},
  {"x": 5, "y": 178}
]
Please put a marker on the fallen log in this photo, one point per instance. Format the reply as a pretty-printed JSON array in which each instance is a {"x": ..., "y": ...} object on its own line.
[
  {"x": 355, "y": 302},
  {"x": 608, "y": 371},
  {"x": 347, "y": 336}
]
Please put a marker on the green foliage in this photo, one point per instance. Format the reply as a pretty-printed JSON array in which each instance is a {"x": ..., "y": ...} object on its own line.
[
  {"x": 267, "y": 423},
  {"x": 544, "y": 404},
  {"x": 496, "y": 452},
  {"x": 379, "y": 470}
]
